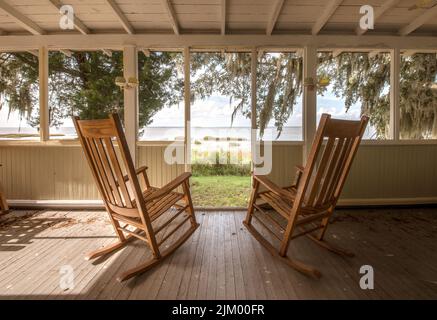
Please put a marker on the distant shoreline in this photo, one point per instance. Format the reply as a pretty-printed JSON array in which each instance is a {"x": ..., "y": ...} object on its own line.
[{"x": 163, "y": 133}]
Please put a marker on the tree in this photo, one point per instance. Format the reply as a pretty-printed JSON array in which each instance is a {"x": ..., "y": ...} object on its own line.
[
  {"x": 278, "y": 83},
  {"x": 19, "y": 83},
  {"x": 223, "y": 73},
  {"x": 84, "y": 85},
  {"x": 357, "y": 77},
  {"x": 354, "y": 77},
  {"x": 418, "y": 96},
  {"x": 161, "y": 83}
]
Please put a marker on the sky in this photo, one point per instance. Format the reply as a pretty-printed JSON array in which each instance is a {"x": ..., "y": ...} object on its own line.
[
  {"x": 13, "y": 121},
  {"x": 216, "y": 112}
]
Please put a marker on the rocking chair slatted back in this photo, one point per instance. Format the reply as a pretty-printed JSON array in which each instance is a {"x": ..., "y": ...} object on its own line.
[
  {"x": 329, "y": 162},
  {"x": 110, "y": 168}
]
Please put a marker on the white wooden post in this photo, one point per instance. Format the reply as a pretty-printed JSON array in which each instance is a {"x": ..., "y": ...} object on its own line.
[
  {"x": 394, "y": 93},
  {"x": 253, "y": 113},
  {"x": 131, "y": 101},
  {"x": 43, "y": 57},
  {"x": 187, "y": 104},
  {"x": 309, "y": 99}
]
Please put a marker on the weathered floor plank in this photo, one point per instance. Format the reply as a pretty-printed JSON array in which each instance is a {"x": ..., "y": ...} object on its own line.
[{"x": 221, "y": 260}]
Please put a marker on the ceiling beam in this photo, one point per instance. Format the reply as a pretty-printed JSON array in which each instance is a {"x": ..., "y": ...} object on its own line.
[
  {"x": 78, "y": 24},
  {"x": 66, "y": 52},
  {"x": 419, "y": 21},
  {"x": 336, "y": 53},
  {"x": 379, "y": 12},
  {"x": 107, "y": 52},
  {"x": 409, "y": 53},
  {"x": 223, "y": 17},
  {"x": 274, "y": 16},
  {"x": 329, "y": 10},
  {"x": 171, "y": 15},
  {"x": 374, "y": 53},
  {"x": 242, "y": 42},
  {"x": 146, "y": 52},
  {"x": 21, "y": 19},
  {"x": 34, "y": 53},
  {"x": 121, "y": 16},
  {"x": 299, "y": 53}
]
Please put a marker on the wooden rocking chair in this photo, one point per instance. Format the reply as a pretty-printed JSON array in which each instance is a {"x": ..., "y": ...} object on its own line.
[
  {"x": 307, "y": 206},
  {"x": 139, "y": 209}
]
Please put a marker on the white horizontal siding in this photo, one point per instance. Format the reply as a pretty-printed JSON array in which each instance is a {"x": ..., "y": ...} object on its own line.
[{"x": 378, "y": 173}]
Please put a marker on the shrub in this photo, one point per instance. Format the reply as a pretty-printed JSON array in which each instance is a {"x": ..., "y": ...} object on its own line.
[{"x": 201, "y": 170}]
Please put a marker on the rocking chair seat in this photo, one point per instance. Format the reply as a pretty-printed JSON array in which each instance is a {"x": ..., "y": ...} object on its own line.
[
  {"x": 281, "y": 205},
  {"x": 157, "y": 207},
  {"x": 284, "y": 206}
]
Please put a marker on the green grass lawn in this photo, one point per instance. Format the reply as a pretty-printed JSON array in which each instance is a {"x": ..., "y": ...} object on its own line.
[{"x": 220, "y": 191}]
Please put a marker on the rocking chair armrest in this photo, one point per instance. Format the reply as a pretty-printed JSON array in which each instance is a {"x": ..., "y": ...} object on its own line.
[
  {"x": 169, "y": 187},
  {"x": 137, "y": 171},
  {"x": 273, "y": 187},
  {"x": 299, "y": 173},
  {"x": 300, "y": 169},
  {"x": 140, "y": 171}
]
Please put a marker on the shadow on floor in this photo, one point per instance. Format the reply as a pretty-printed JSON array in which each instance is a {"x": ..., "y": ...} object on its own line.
[{"x": 16, "y": 234}]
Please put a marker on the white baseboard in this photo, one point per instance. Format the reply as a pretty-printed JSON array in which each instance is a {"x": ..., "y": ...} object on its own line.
[
  {"x": 57, "y": 204},
  {"x": 98, "y": 204},
  {"x": 387, "y": 201}
]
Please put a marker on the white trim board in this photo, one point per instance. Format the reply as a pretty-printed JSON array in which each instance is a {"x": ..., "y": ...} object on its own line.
[
  {"x": 118, "y": 41},
  {"x": 98, "y": 204},
  {"x": 387, "y": 201},
  {"x": 51, "y": 204}
]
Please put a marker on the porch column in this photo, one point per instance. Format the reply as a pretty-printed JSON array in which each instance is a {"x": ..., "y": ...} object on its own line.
[
  {"x": 187, "y": 109},
  {"x": 131, "y": 101},
  {"x": 394, "y": 93},
  {"x": 309, "y": 99},
  {"x": 253, "y": 103},
  {"x": 43, "y": 60}
]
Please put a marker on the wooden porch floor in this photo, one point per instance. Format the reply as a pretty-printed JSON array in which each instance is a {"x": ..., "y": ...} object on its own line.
[{"x": 221, "y": 260}]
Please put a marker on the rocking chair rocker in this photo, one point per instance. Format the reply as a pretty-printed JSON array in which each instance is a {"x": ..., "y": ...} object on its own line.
[
  {"x": 138, "y": 208},
  {"x": 307, "y": 206}
]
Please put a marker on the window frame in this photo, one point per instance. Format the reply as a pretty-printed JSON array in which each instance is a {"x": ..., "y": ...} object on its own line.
[
  {"x": 394, "y": 88},
  {"x": 145, "y": 142},
  {"x": 36, "y": 52},
  {"x": 393, "y": 103}
]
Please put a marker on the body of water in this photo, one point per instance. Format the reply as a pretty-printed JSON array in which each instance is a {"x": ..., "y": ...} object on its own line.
[
  {"x": 164, "y": 133},
  {"x": 172, "y": 133},
  {"x": 200, "y": 133}
]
